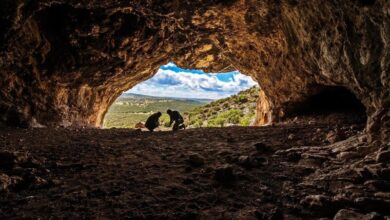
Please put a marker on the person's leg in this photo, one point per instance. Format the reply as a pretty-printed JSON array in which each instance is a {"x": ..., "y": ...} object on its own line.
[
  {"x": 180, "y": 124},
  {"x": 151, "y": 128},
  {"x": 175, "y": 126},
  {"x": 148, "y": 127}
]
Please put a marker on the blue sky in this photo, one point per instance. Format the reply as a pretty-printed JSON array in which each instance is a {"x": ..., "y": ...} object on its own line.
[{"x": 172, "y": 81}]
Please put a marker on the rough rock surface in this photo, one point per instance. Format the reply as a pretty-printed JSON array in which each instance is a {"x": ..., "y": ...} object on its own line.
[
  {"x": 143, "y": 175},
  {"x": 64, "y": 62}
]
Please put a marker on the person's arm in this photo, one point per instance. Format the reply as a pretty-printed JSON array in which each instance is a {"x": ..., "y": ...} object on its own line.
[
  {"x": 158, "y": 122},
  {"x": 170, "y": 121}
]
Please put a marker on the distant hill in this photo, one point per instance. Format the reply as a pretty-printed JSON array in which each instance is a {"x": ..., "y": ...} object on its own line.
[
  {"x": 130, "y": 109},
  {"x": 139, "y": 96},
  {"x": 238, "y": 109}
]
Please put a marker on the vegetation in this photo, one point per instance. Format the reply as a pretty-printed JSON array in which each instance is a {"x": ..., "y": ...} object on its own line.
[
  {"x": 238, "y": 109},
  {"x": 235, "y": 110},
  {"x": 128, "y": 110}
]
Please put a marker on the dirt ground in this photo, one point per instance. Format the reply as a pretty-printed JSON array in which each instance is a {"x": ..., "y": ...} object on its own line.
[{"x": 295, "y": 170}]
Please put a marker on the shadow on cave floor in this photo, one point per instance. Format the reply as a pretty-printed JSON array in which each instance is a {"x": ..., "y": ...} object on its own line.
[{"x": 210, "y": 173}]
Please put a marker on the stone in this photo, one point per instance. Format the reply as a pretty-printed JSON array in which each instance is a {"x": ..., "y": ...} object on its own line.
[
  {"x": 383, "y": 156},
  {"x": 31, "y": 163},
  {"x": 383, "y": 195},
  {"x": 369, "y": 171},
  {"x": 195, "y": 159},
  {"x": 259, "y": 161},
  {"x": 320, "y": 203},
  {"x": 5, "y": 182},
  {"x": 348, "y": 214},
  {"x": 293, "y": 156},
  {"x": 10, "y": 159},
  {"x": 263, "y": 148},
  {"x": 56, "y": 182},
  {"x": 347, "y": 155},
  {"x": 384, "y": 174},
  {"x": 363, "y": 138},
  {"x": 251, "y": 161},
  {"x": 38, "y": 183},
  {"x": 7, "y": 160},
  {"x": 276, "y": 214},
  {"x": 363, "y": 150},
  {"x": 370, "y": 204},
  {"x": 225, "y": 174},
  {"x": 333, "y": 136},
  {"x": 377, "y": 185},
  {"x": 230, "y": 140},
  {"x": 243, "y": 160},
  {"x": 316, "y": 201},
  {"x": 311, "y": 162},
  {"x": 291, "y": 137}
]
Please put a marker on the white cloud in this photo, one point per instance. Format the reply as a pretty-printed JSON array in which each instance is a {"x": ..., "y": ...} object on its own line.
[{"x": 170, "y": 83}]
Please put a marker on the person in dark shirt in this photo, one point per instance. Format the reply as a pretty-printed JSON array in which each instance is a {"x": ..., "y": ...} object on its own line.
[
  {"x": 153, "y": 121},
  {"x": 177, "y": 118}
]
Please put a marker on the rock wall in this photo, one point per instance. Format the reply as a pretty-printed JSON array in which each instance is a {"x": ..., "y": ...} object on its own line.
[{"x": 64, "y": 62}]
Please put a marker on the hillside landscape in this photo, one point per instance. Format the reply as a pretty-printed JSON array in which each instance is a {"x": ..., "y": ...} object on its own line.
[
  {"x": 239, "y": 109},
  {"x": 130, "y": 109}
]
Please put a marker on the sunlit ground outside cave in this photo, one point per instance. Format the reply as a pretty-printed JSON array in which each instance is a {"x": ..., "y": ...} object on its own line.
[
  {"x": 203, "y": 99},
  {"x": 286, "y": 107}
]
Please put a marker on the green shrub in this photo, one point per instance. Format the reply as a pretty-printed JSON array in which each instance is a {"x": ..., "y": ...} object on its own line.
[
  {"x": 217, "y": 122},
  {"x": 241, "y": 99},
  {"x": 198, "y": 123},
  {"x": 232, "y": 116},
  {"x": 164, "y": 120}
]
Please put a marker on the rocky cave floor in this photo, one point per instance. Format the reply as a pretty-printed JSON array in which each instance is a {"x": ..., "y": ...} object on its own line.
[{"x": 297, "y": 170}]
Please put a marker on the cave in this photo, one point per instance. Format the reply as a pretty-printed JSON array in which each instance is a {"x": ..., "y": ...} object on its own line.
[
  {"x": 329, "y": 100},
  {"x": 333, "y": 99},
  {"x": 64, "y": 62}
]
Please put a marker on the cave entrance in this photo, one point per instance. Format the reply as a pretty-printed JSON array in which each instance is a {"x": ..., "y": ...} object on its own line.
[
  {"x": 332, "y": 101},
  {"x": 203, "y": 99}
]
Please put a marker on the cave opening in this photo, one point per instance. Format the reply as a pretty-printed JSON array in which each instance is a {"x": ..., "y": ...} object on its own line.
[
  {"x": 331, "y": 100},
  {"x": 203, "y": 99}
]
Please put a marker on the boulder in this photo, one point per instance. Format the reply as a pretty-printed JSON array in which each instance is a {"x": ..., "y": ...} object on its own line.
[
  {"x": 377, "y": 185},
  {"x": 383, "y": 156},
  {"x": 263, "y": 148},
  {"x": 5, "y": 182},
  {"x": 7, "y": 160},
  {"x": 320, "y": 203},
  {"x": 370, "y": 204},
  {"x": 195, "y": 160},
  {"x": 334, "y": 136},
  {"x": 225, "y": 174},
  {"x": 347, "y": 155},
  {"x": 384, "y": 174},
  {"x": 348, "y": 214}
]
